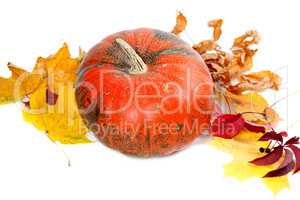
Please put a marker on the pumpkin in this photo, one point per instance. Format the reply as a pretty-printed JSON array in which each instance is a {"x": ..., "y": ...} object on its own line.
[{"x": 144, "y": 92}]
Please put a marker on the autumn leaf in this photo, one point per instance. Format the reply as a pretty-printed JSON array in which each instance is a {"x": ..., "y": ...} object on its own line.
[
  {"x": 227, "y": 126},
  {"x": 254, "y": 106},
  {"x": 181, "y": 23},
  {"x": 251, "y": 102},
  {"x": 243, "y": 148},
  {"x": 18, "y": 85},
  {"x": 271, "y": 116},
  {"x": 205, "y": 45},
  {"x": 216, "y": 24},
  {"x": 256, "y": 82},
  {"x": 52, "y": 107}
]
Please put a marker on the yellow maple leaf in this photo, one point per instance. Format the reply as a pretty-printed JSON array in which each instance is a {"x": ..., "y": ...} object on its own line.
[
  {"x": 244, "y": 148},
  {"x": 18, "y": 85},
  {"x": 254, "y": 106},
  {"x": 247, "y": 102},
  {"x": 61, "y": 119}
]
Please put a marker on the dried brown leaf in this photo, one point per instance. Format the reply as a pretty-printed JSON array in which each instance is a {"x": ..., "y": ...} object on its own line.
[
  {"x": 181, "y": 23},
  {"x": 206, "y": 45},
  {"x": 257, "y": 82},
  {"x": 216, "y": 24}
]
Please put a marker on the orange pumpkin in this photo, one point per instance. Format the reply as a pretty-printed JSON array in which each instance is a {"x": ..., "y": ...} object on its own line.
[{"x": 144, "y": 92}]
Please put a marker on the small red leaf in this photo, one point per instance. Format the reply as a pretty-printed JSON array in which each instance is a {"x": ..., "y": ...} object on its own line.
[
  {"x": 281, "y": 171},
  {"x": 272, "y": 135},
  {"x": 270, "y": 158},
  {"x": 296, "y": 152},
  {"x": 285, "y": 167},
  {"x": 51, "y": 97},
  {"x": 293, "y": 140},
  {"x": 283, "y": 133},
  {"x": 288, "y": 157},
  {"x": 227, "y": 125},
  {"x": 254, "y": 128}
]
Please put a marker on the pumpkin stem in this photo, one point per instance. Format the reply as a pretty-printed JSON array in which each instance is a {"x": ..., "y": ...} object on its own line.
[{"x": 137, "y": 65}]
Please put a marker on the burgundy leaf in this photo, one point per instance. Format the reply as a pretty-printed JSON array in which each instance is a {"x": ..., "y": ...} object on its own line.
[
  {"x": 270, "y": 158},
  {"x": 296, "y": 152},
  {"x": 288, "y": 157},
  {"x": 227, "y": 125},
  {"x": 272, "y": 135},
  {"x": 51, "y": 97},
  {"x": 285, "y": 167},
  {"x": 254, "y": 128},
  {"x": 281, "y": 171},
  {"x": 293, "y": 140},
  {"x": 283, "y": 133}
]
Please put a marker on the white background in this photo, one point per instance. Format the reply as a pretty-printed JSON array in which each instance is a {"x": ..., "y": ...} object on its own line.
[{"x": 31, "y": 167}]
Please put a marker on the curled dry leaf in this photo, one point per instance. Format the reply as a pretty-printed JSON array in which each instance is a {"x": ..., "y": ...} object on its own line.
[
  {"x": 206, "y": 45},
  {"x": 216, "y": 25},
  {"x": 227, "y": 67},
  {"x": 256, "y": 82},
  {"x": 246, "y": 40},
  {"x": 181, "y": 23}
]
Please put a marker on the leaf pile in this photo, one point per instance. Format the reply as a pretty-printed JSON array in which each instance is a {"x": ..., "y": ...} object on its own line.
[
  {"x": 248, "y": 120},
  {"x": 48, "y": 96},
  {"x": 52, "y": 107},
  {"x": 242, "y": 121},
  {"x": 18, "y": 85}
]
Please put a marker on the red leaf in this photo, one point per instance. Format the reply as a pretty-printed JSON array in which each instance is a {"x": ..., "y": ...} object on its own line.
[
  {"x": 285, "y": 167},
  {"x": 270, "y": 158},
  {"x": 281, "y": 171},
  {"x": 288, "y": 157},
  {"x": 254, "y": 128},
  {"x": 272, "y": 135},
  {"x": 293, "y": 140},
  {"x": 227, "y": 125},
  {"x": 283, "y": 133},
  {"x": 296, "y": 152},
  {"x": 51, "y": 97}
]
